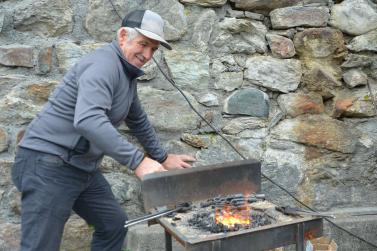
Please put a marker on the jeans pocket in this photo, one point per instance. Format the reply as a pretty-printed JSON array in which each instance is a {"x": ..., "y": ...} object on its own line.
[{"x": 17, "y": 172}]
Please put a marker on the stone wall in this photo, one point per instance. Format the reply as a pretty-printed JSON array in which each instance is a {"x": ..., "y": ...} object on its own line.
[{"x": 290, "y": 83}]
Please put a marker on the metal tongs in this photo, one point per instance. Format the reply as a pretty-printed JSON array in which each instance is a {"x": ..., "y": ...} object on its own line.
[
  {"x": 180, "y": 208},
  {"x": 295, "y": 211}
]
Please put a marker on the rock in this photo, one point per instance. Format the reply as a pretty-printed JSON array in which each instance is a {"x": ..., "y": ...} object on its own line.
[
  {"x": 263, "y": 6},
  {"x": 365, "y": 42},
  {"x": 357, "y": 60},
  {"x": 294, "y": 104},
  {"x": 321, "y": 80},
  {"x": 77, "y": 235},
  {"x": 203, "y": 28},
  {"x": 44, "y": 18},
  {"x": 148, "y": 238},
  {"x": 102, "y": 23},
  {"x": 299, "y": 16},
  {"x": 205, "y": 3},
  {"x": 69, "y": 53},
  {"x": 281, "y": 47},
  {"x": 285, "y": 33},
  {"x": 10, "y": 236},
  {"x": 282, "y": 75},
  {"x": 168, "y": 110},
  {"x": 3, "y": 140},
  {"x": 209, "y": 100},
  {"x": 320, "y": 43},
  {"x": 2, "y": 18},
  {"x": 239, "y": 36},
  {"x": 355, "y": 77},
  {"x": 235, "y": 13},
  {"x": 39, "y": 92},
  {"x": 251, "y": 101},
  {"x": 238, "y": 125},
  {"x": 228, "y": 81},
  {"x": 356, "y": 104},
  {"x": 354, "y": 17},
  {"x": 319, "y": 131},
  {"x": 16, "y": 55},
  {"x": 196, "y": 140},
  {"x": 255, "y": 16},
  {"x": 213, "y": 118},
  {"x": 190, "y": 69},
  {"x": 219, "y": 152},
  {"x": 44, "y": 63}
]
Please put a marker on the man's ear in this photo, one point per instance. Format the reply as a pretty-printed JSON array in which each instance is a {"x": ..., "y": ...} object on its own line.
[{"x": 122, "y": 36}]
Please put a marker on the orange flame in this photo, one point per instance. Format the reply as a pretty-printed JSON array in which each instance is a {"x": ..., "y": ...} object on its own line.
[{"x": 230, "y": 215}]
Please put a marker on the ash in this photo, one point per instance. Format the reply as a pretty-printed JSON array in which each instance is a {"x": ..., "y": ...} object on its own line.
[{"x": 206, "y": 221}]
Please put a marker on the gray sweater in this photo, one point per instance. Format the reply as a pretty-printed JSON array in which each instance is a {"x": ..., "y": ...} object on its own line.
[{"x": 79, "y": 121}]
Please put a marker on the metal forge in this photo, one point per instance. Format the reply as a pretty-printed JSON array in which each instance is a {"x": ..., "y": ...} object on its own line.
[{"x": 228, "y": 211}]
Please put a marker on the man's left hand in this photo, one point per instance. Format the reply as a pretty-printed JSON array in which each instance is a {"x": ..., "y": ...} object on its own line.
[{"x": 178, "y": 161}]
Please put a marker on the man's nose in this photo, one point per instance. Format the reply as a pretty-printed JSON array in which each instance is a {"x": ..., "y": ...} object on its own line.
[{"x": 148, "y": 53}]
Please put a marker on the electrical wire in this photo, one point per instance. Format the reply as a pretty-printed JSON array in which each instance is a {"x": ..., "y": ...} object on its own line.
[{"x": 172, "y": 82}]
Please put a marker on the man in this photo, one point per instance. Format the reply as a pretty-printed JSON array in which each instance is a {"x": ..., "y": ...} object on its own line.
[{"x": 56, "y": 166}]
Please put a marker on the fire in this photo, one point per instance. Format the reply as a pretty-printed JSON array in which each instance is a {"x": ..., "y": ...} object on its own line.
[{"x": 230, "y": 215}]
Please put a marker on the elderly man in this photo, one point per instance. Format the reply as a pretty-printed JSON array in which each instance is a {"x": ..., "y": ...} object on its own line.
[{"x": 57, "y": 164}]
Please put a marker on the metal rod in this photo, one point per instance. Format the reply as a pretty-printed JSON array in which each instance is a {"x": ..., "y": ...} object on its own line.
[
  {"x": 168, "y": 242},
  {"x": 300, "y": 238},
  {"x": 150, "y": 217}
]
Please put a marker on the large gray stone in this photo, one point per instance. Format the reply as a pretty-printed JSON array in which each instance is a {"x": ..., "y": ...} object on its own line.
[
  {"x": 203, "y": 28},
  {"x": 251, "y": 101},
  {"x": 365, "y": 42},
  {"x": 102, "y": 22},
  {"x": 228, "y": 81},
  {"x": 319, "y": 131},
  {"x": 264, "y": 6},
  {"x": 281, "y": 47},
  {"x": 168, "y": 110},
  {"x": 282, "y": 75},
  {"x": 354, "y": 17},
  {"x": 295, "y": 104},
  {"x": 189, "y": 68},
  {"x": 238, "y": 125},
  {"x": 69, "y": 53},
  {"x": 239, "y": 36},
  {"x": 205, "y": 3},
  {"x": 44, "y": 17},
  {"x": 3, "y": 140},
  {"x": 16, "y": 55},
  {"x": 299, "y": 16},
  {"x": 355, "y": 77}
]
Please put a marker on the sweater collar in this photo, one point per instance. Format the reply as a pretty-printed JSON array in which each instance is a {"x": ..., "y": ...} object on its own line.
[{"x": 131, "y": 70}]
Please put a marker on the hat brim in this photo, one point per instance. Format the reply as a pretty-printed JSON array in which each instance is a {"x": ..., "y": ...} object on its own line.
[{"x": 156, "y": 37}]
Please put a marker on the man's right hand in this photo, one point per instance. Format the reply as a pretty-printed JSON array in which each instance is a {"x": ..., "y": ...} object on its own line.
[{"x": 147, "y": 166}]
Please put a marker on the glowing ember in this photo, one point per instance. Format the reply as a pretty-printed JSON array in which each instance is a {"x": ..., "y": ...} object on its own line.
[{"x": 230, "y": 216}]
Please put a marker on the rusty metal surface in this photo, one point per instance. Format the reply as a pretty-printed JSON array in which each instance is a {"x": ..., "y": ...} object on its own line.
[
  {"x": 261, "y": 238},
  {"x": 198, "y": 183}
]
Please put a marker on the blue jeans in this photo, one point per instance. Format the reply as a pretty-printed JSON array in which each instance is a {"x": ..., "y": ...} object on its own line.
[{"x": 51, "y": 189}]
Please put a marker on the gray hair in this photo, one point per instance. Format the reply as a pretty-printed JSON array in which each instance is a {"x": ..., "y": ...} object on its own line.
[{"x": 131, "y": 33}]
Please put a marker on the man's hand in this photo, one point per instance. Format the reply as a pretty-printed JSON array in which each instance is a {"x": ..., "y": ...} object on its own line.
[
  {"x": 147, "y": 166},
  {"x": 176, "y": 161}
]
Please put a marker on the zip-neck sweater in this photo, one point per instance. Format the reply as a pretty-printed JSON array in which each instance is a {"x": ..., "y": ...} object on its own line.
[{"x": 79, "y": 121}]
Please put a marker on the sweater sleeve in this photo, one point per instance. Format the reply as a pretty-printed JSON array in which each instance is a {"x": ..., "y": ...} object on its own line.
[
  {"x": 141, "y": 127},
  {"x": 94, "y": 100}
]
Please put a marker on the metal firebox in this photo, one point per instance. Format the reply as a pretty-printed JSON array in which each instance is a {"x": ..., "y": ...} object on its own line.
[{"x": 200, "y": 183}]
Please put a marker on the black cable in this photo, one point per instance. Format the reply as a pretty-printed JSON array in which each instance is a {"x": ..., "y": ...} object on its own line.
[{"x": 170, "y": 80}]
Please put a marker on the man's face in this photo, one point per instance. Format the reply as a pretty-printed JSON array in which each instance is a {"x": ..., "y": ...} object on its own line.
[{"x": 139, "y": 50}]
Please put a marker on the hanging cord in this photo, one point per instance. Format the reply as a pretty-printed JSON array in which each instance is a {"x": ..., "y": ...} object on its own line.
[{"x": 170, "y": 80}]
